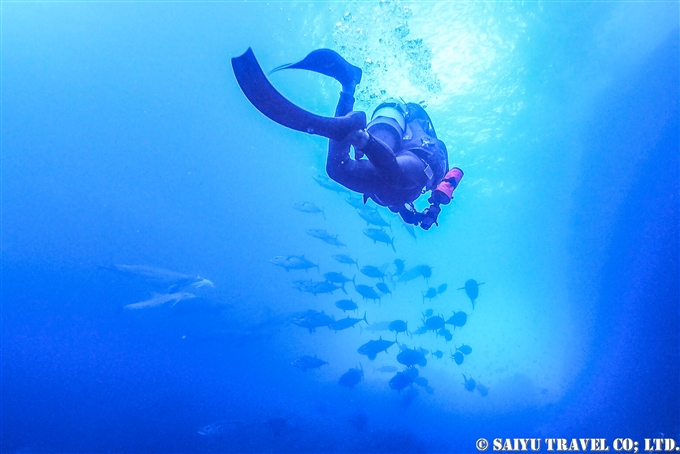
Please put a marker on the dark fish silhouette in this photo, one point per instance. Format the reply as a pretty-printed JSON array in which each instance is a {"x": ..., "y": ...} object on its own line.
[
  {"x": 383, "y": 288},
  {"x": 352, "y": 377},
  {"x": 372, "y": 271},
  {"x": 431, "y": 293},
  {"x": 410, "y": 357},
  {"x": 337, "y": 278},
  {"x": 315, "y": 288},
  {"x": 372, "y": 217},
  {"x": 346, "y": 305},
  {"x": 458, "y": 357},
  {"x": 308, "y": 362},
  {"x": 346, "y": 259},
  {"x": 446, "y": 334},
  {"x": 345, "y": 323},
  {"x": 442, "y": 288},
  {"x": 399, "y": 326},
  {"x": 469, "y": 383},
  {"x": 379, "y": 235},
  {"x": 403, "y": 379},
  {"x": 326, "y": 237},
  {"x": 293, "y": 262},
  {"x": 465, "y": 349},
  {"x": 435, "y": 323},
  {"x": 439, "y": 354},
  {"x": 425, "y": 271},
  {"x": 483, "y": 390},
  {"x": 367, "y": 292},
  {"x": 308, "y": 207},
  {"x": 373, "y": 347},
  {"x": 458, "y": 319},
  {"x": 472, "y": 290},
  {"x": 312, "y": 320}
]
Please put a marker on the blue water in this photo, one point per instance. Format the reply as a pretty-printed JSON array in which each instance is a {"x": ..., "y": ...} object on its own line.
[{"x": 126, "y": 141}]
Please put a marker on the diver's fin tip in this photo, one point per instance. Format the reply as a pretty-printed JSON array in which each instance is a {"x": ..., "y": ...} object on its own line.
[
  {"x": 248, "y": 52},
  {"x": 259, "y": 91},
  {"x": 279, "y": 68}
]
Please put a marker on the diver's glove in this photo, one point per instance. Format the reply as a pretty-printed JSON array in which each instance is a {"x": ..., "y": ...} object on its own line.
[
  {"x": 429, "y": 217},
  {"x": 358, "y": 138},
  {"x": 439, "y": 198},
  {"x": 410, "y": 215}
]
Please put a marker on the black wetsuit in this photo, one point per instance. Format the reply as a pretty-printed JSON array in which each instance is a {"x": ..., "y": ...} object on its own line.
[
  {"x": 399, "y": 165},
  {"x": 393, "y": 174}
]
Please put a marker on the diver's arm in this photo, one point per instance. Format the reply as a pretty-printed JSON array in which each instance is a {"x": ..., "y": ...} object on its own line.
[
  {"x": 425, "y": 219},
  {"x": 442, "y": 195}
]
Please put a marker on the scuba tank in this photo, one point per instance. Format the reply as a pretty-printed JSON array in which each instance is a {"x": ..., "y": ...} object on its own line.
[{"x": 390, "y": 116}]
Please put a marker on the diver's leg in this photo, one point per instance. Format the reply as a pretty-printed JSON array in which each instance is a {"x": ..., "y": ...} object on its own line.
[
  {"x": 356, "y": 175},
  {"x": 365, "y": 176},
  {"x": 383, "y": 141},
  {"x": 330, "y": 63},
  {"x": 274, "y": 105},
  {"x": 345, "y": 103},
  {"x": 379, "y": 150},
  {"x": 361, "y": 175},
  {"x": 378, "y": 145}
]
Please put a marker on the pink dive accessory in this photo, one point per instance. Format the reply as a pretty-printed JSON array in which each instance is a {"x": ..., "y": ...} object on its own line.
[{"x": 450, "y": 182}]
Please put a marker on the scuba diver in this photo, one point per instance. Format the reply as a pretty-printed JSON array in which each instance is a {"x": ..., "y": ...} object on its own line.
[{"x": 404, "y": 157}]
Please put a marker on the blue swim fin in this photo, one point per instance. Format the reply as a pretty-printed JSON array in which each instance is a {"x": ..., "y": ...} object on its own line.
[
  {"x": 329, "y": 63},
  {"x": 275, "y": 106}
]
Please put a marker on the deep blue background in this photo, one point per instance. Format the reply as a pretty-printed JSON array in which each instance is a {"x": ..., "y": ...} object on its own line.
[{"x": 126, "y": 140}]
